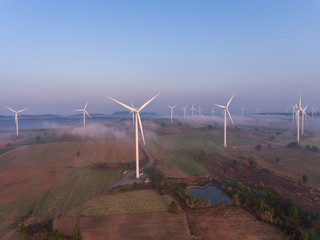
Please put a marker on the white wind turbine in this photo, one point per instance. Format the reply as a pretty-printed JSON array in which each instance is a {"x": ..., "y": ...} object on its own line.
[
  {"x": 200, "y": 110},
  {"x": 313, "y": 111},
  {"x": 258, "y": 111},
  {"x": 192, "y": 109},
  {"x": 184, "y": 112},
  {"x": 242, "y": 109},
  {"x": 171, "y": 110},
  {"x": 212, "y": 111},
  {"x": 225, "y": 110},
  {"x": 84, "y": 111},
  {"x": 294, "y": 108},
  {"x": 298, "y": 110},
  {"x": 16, "y": 117},
  {"x": 137, "y": 122},
  {"x": 303, "y": 115}
]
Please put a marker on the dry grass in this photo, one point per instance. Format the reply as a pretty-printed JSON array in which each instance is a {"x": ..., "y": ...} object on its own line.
[{"x": 140, "y": 201}]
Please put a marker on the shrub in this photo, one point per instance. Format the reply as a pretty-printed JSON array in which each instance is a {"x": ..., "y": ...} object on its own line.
[
  {"x": 24, "y": 231},
  {"x": 305, "y": 178},
  {"x": 253, "y": 163},
  {"x": 76, "y": 232},
  {"x": 137, "y": 185},
  {"x": 9, "y": 144},
  {"x": 314, "y": 149},
  {"x": 277, "y": 160},
  {"x": 161, "y": 191},
  {"x": 291, "y": 208},
  {"x": 293, "y": 145},
  {"x": 258, "y": 147},
  {"x": 173, "y": 207}
]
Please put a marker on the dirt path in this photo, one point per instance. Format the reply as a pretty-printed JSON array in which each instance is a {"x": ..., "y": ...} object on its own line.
[{"x": 129, "y": 178}]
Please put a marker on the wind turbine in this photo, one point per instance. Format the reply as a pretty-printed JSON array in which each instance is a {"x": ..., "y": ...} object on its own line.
[
  {"x": 84, "y": 111},
  {"x": 294, "y": 108},
  {"x": 242, "y": 109},
  {"x": 171, "y": 111},
  {"x": 137, "y": 122},
  {"x": 184, "y": 112},
  {"x": 303, "y": 115},
  {"x": 200, "y": 110},
  {"x": 212, "y": 111},
  {"x": 313, "y": 111},
  {"x": 16, "y": 117},
  {"x": 192, "y": 109},
  {"x": 258, "y": 111},
  {"x": 225, "y": 110},
  {"x": 299, "y": 109}
]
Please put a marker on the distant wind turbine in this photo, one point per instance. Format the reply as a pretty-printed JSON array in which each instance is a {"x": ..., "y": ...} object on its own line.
[
  {"x": 299, "y": 109},
  {"x": 84, "y": 111},
  {"x": 303, "y": 115},
  {"x": 184, "y": 112},
  {"x": 16, "y": 117},
  {"x": 294, "y": 108},
  {"x": 171, "y": 111},
  {"x": 258, "y": 111},
  {"x": 242, "y": 109},
  {"x": 212, "y": 111},
  {"x": 137, "y": 122},
  {"x": 199, "y": 110},
  {"x": 192, "y": 109},
  {"x": 225, "y": 110}
]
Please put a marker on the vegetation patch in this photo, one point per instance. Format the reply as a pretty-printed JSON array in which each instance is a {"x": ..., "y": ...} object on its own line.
[
  {"x": 76, "y": 186},
  {"x": 139, "y": 201}
]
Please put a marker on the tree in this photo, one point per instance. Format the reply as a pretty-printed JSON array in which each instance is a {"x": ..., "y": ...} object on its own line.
[
  {"x": 277, "y": 160},
  {"x": 305, "y": 178},
  {"x": 258, "y": 147},
  {"x": 173, "y": 207},
  {"x": 24, "y": 231},
  {"x": 76, "y": 232}
]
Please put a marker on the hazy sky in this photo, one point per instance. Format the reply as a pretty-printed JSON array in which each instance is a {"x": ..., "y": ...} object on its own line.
[{"x": 56, "y": 55}]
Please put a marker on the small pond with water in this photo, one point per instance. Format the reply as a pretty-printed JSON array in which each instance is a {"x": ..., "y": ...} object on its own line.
[{"x": 212, "y": 193}]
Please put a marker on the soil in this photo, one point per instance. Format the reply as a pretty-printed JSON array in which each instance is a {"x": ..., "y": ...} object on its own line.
[
  {"x": 230, "y": 222},
  {"x": 153, "y": 226}
]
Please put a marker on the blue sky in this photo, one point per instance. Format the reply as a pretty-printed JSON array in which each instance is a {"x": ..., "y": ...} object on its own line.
[{"x": 57, "y": 55}]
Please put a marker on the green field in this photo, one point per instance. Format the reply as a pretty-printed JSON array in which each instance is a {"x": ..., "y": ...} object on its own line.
[
  {"x": 177, "y": 153},
  {"x": 294, "y": 161},
  {"x": 140, "y": 201},
  {"x": 76, "y": 186}
]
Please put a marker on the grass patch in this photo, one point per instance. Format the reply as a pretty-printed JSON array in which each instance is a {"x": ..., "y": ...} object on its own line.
[
  {"x": 132, "y": 202},
  {"x": 76, "y": 186}
]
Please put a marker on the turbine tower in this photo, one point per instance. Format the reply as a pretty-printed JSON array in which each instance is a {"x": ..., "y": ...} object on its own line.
[
  {"x": 225, "y": 110},
  {"x": 171, "y": 111},
  {"x": 192, "y": 109},
  {"x": 184, "y": 112},
  {"x": 242, "y": 109},
  {"x": 137, "y": 122},
  {"x": 84, "y": 111},
  {"x": 16, "y": 117}
]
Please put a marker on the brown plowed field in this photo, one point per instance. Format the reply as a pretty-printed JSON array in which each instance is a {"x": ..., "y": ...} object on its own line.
[
  {"x": 153, "y": 226},
  {"x": 230, "y": 222}
]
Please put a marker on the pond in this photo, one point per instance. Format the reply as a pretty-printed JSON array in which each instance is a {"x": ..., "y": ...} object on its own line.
[{"x": 212, "y": 193}]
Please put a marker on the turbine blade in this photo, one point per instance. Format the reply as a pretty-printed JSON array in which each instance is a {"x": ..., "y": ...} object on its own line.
[
  {"x": 220, "y": 106},
  {"x": 144, "y": 105},
  {"x": 230, "y": 116},
  {"x": 87, "y": 113},
  {"x": 124, "y": 105},
  {"x": 230, "y": 100},
  {"x": 22, "y": 110},
  {"x": 141, "y": 129},
  {"x": 86, "y": 105},
  {"x": 78, "y": 110},
  {"x": 10, "y": 109}
]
